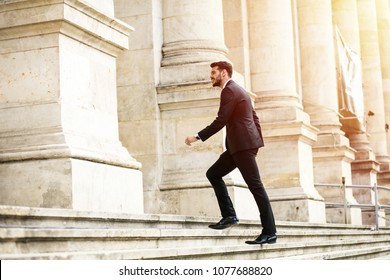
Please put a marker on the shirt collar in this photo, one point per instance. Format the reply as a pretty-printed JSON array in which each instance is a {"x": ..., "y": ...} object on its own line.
[{"x": 226, "y": 83}]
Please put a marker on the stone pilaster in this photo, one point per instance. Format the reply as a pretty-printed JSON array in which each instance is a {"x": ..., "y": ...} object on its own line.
[
  {"x": 286, "y": 160},
  {"x": 59, "y": 142},
  {"x": 138, "y": 76}
]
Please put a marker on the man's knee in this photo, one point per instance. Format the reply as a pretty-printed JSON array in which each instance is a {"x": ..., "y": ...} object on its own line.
[{"x": 211, "y": 175}]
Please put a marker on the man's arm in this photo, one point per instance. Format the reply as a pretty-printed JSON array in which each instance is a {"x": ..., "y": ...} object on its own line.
[
  {"x": 256, "y": 120},
  {"x": 225, "y": 111}
]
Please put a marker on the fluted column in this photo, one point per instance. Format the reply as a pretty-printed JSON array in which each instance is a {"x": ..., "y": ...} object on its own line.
[
  {"x": 59, "y": 142},
  {"x": 286, "y": 160}
]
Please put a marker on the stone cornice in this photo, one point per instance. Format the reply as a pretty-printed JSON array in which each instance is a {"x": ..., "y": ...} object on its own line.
[{"x": 65, "y": 151}]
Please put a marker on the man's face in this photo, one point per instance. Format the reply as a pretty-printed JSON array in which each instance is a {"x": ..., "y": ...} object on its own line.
[{"x": 216, "y": 76}]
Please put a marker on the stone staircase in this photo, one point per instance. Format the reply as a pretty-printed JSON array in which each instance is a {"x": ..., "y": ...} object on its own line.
[{"x": 37, "y": 233}]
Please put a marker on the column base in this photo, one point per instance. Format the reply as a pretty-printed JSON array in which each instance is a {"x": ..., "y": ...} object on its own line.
[
  {"x": 369, "y": 217},
  {"x": 201, "y": 201},
  {"x": 384, "y": 170},
  {"x": 299, "y": 210},
  {"x": 387, "y": 215},
  {"x": 285, "y": 163},
  {"x": 384, "y": 178},
  {"x": 71, "y": 183},
  {"x": 332, "y": 157},
  {"x": 337, "y": 216}
]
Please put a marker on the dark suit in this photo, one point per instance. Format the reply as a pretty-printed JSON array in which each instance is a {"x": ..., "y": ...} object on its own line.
[{"x": 243, "y": 139}]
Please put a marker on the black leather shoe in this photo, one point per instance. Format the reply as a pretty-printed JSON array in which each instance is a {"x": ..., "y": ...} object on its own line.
[
  {"x": 263, "y": 239},
  {"x": 225, "y": 223}
]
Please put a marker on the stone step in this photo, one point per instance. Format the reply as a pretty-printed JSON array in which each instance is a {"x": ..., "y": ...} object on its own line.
[
  {"x": 64, "y": 218},
  {"x": 377, "y": 252},
  {"x": 74, "y": 239},
  {"x": 140, "y": 234},
  {"x": 385, "y": 256},
  {"x": 41, "y": 241},
  {"x": 33, "y": 233},
  {"x": 294, "y": 250}
]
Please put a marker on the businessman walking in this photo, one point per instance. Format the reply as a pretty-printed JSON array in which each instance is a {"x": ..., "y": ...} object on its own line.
[{"x": 243, "y": 139}]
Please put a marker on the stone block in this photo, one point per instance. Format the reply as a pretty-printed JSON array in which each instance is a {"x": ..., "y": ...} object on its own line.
[
  {"x": 71, "y": 183},
  {"x": 305, "y": 210}
]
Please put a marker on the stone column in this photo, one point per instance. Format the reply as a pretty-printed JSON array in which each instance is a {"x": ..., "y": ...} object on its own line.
[
  {"x": 286, "y": 160},
  {"x": 193, "y": 38},
  {"x": 332, "y": 151},
  {"x": 372, "y": 79},
  {"x": 365, "y": 166},
  {"x": 373, "y": 94},
  {"x": 383, "y": 14},
  {"x": 59, "y": 142},
  {"x": 236, "y": 36},
  {"x": 345, "y": 17}
]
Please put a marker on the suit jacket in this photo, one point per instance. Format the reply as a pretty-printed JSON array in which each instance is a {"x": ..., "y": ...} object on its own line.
[{"x": 243, "y": 131}]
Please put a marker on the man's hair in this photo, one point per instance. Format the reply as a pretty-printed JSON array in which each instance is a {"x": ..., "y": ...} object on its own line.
[{"x": 223, "y": 65}]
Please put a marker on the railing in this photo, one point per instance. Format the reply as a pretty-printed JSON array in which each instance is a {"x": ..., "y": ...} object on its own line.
[{"x": 346, "y": 204}]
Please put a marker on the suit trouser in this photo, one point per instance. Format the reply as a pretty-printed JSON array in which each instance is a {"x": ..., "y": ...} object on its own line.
[{"x": 245, "y": 161}]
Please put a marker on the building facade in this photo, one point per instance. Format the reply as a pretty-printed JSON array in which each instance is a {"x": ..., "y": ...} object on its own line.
[{"x": 96, "y": 98}]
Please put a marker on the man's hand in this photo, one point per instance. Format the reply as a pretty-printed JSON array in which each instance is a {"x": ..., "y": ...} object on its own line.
[{"x": 190, "y": 139}]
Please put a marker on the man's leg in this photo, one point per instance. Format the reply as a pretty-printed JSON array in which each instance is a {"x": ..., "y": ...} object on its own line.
[
  {"x": 223, "y": 166},
  {"x": 246, "y": 163}
]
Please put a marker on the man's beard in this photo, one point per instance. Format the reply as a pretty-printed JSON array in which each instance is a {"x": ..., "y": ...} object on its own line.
[{"x": 217, "y": 81}]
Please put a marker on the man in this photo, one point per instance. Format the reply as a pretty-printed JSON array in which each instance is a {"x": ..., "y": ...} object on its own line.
[{"x": 243, "y": 139}]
